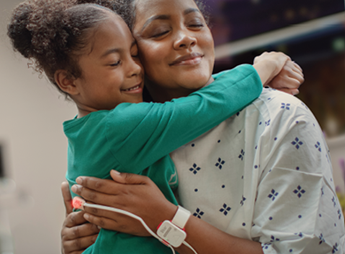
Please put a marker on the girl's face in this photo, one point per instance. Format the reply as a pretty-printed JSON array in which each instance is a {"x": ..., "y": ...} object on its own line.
[
  {"x": 111, "y": 70},
  {"x": 175, "y": 44}
]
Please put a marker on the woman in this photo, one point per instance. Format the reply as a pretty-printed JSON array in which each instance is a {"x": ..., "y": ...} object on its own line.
[{"x": 157, "y": 26}]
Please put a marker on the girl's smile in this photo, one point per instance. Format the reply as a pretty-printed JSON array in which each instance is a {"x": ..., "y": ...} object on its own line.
[{"x": 135, "y": 89}]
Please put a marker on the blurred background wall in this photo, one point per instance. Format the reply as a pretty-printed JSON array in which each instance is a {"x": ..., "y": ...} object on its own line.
[
  {"x": 33, "y": 145},
  {"x": 34, "y": 152},
  {"x": 312, "y": 33}
]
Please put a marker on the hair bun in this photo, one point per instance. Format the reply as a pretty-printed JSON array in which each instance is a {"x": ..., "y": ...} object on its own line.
[{"x": 17, "y": 30}]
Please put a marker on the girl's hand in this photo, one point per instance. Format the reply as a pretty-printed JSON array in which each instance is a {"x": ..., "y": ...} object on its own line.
[
  {"x": 288, "y": 79},
  {"x": 76, "y": 233},
  {"x": 269, "y": 64},
  {"x": 133, "y": 193}
]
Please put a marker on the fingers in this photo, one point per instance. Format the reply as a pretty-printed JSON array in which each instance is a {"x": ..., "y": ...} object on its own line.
[
  {"x": 289, "y": 79},
  {"x": 285, "y": 84},
  {"x": 78, "y": 245},
  {"x": 122, "y": 223},
  {"x": 102, "y": 222},
  {"x": 81, "y": 231},
  {"x": 294, "y": 71},
  {"x": 289, "y": 91},
  {"x": 99, "y": 185},
  {"x": 77, "y": 234},
  {"x": 67, "y": 198},
  {"x": 74, "y": 219},
  {"x": 94, "y": 196},
  {"x": 297, "y": 66},
  {"x": 100, "y": 213},
  {"x": 108, "y": 186},
  {"x": 127, "y": 178}
]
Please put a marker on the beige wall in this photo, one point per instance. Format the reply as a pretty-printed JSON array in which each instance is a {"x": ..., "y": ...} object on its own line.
[{"x": 31, "y": 116}]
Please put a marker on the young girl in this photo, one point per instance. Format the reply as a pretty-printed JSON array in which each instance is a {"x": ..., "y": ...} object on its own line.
[{"x": 88, "y": 52}]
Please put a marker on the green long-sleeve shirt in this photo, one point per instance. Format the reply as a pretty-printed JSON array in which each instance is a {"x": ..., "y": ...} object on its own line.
[{"x": 137, "y": 138}]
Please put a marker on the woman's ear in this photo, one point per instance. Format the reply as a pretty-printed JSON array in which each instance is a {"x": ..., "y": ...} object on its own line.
[{"x": 65, "y": 82}]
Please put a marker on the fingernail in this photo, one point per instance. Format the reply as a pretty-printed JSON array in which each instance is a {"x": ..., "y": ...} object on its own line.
[
  {"x": 86, "y": 216},
  {"x": 79, "y": 180},
  {"x": 117, "y": 172},
  {"x": 75, "y": 188}
]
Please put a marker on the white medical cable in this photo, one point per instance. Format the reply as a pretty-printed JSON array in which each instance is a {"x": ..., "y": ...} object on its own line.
[{"x": 112, "y": 209}]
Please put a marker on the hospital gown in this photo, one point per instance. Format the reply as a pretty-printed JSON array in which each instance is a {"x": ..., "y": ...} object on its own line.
[{"x": 265, "y": 174}]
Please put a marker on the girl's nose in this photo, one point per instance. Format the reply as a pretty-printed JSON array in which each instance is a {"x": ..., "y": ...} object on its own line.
[{"x": 134, "y": 67}]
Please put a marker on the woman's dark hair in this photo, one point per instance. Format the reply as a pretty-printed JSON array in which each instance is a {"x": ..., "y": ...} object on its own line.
[
  {"x": 126, "y": 8},
  {"x": 131, "y": 16},
  {"x": 53, "y": 33}
]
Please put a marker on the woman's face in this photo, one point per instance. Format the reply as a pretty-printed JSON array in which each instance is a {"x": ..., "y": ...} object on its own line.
[{"x": 175, "y": 44}]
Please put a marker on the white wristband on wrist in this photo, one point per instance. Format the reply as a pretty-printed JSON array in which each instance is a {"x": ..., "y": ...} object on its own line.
[
  {"x": 181, "y": 217},
  {"x": 172, "y": 232}
]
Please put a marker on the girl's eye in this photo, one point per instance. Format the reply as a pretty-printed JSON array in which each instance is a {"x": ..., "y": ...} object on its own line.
[{"x": 115, "y": 64}]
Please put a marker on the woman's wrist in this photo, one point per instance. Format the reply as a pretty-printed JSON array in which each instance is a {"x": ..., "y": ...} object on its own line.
[{"x": 166, "y": 212}]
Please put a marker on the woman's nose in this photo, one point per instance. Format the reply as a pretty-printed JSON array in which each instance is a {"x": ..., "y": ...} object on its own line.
[{"x": 184, "y": 40}]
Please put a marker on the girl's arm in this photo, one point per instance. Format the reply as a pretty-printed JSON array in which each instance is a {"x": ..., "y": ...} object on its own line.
[{"x": 140, "y": 134}]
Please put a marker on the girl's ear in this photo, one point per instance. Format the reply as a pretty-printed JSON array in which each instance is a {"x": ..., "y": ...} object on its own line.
[{"x": 66, "y": 83}]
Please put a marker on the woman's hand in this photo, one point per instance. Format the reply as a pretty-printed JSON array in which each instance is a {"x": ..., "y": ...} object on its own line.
[
  {"x": 139, "y": 195},
  {"x": 76, "y": 233},
  {"x": 288, "y": 79},
  {"x": 133, "y": 193}
]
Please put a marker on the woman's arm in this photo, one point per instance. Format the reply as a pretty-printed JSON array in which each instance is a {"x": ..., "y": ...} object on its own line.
[{"x": 139, "y": 195}]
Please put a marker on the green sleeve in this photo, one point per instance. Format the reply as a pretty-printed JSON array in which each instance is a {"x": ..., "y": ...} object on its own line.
[{"x": 140, "y": 134}]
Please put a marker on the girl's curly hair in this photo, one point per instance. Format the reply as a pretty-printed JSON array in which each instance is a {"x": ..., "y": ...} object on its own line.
[{"x": 53, "y": 33}]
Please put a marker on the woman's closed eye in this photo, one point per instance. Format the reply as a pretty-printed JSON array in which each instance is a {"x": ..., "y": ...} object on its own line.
[
  {"x": 195, "y": 22},
  {"x": 197, "y": 25},
  {"x": 160, "y": 33},
  {"x": 115, "y": 64}
]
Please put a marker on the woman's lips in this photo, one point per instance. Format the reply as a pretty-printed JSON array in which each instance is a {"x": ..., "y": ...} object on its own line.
[{"x": 190, "y": 59}]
